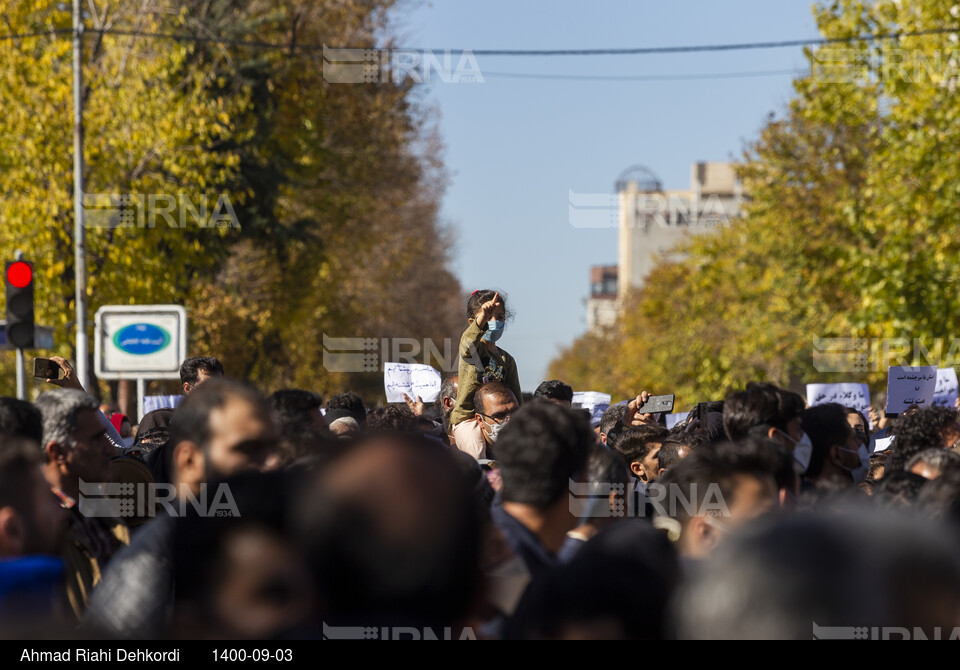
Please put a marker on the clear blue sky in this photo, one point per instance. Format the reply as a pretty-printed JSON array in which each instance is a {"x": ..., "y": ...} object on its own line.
[{"x": 515, "y": 147}]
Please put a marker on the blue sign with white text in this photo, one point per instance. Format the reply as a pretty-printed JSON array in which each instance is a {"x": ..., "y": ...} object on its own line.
[{"x": 141, "y": 339}]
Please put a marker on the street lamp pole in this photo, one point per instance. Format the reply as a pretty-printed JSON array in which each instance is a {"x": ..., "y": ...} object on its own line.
[{"x": 79, "y": 231}]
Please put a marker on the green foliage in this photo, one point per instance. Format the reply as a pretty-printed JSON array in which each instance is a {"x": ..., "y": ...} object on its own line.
[
  {"x": 851, "y": 230},
  {"x": 335, "y": 187}
]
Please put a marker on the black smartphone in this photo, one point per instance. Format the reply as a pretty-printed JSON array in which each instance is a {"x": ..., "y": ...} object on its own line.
[
  {"x": 44, "y": 368},
  {"x": 657, "y": 403}
]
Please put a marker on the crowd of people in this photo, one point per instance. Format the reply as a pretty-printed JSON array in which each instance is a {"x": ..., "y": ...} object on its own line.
[{"x": 489, "y": 513}]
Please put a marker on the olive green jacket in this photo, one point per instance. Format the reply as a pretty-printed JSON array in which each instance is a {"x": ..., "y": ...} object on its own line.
[{"x": 496, "y": 366}]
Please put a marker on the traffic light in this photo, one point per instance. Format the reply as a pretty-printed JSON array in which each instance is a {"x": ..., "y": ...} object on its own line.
[{"x": 20, "y": 327}]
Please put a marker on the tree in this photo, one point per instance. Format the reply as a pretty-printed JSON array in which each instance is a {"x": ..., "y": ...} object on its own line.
[
  {"x": 334, "y": 187},
  {"x": 850, "y": 230}
]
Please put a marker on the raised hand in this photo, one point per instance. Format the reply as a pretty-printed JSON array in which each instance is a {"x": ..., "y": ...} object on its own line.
[
  {"x": 632, "y": 418},
  {"x": 416, "y": 406},
  {"x": 70, "y": 379},
  {"x": 487, "y": 310}
]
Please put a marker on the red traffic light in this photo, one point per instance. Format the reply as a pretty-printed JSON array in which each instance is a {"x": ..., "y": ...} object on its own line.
[{"x": 19, "y": 274}]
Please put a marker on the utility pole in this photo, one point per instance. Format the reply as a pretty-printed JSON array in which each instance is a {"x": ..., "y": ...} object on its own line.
[
  {"x": 21, "y": 361},
  {"x": 79, "y": 231}
]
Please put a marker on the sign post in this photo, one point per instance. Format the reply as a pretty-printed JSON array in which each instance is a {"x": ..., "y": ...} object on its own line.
[
  {"x": 21, "y": 376},
  {"x": 140, "y": 342},
  {"x": 43, "y": 339}
]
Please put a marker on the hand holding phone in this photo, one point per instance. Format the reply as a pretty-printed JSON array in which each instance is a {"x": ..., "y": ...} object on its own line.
[
  {"x": 44, "y": 368},
  {"x": 658, "y": 403},
  {"x": 67, "y": 380},
  {"x": 641, "y": 410}
]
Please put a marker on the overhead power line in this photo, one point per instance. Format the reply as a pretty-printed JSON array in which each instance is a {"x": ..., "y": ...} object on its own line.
[
  {"x": 743, "y": 46},
  {"x": 643, "y": 77},
  {"x": 629, "y": 51}
]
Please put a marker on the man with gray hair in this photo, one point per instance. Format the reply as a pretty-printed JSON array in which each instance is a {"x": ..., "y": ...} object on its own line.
[{"x": 76, "y": 450}]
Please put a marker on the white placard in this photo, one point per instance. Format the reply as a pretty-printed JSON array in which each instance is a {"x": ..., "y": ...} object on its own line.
[
  {"x": 883, "y": 443},
  {"x": 140, "y": 341},
  {"x": 848, "y": 394},
  {"x": 155, "y": 402},
  {"x": 946, "y": 391},
  {"x": 594, "y": 401},
  {"x": 908, "y": 386},
  {"x": 414, "y": 379}
]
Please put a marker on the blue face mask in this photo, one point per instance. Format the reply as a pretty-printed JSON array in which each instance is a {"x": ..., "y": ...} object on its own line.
[{"x": 494, "y": 331}]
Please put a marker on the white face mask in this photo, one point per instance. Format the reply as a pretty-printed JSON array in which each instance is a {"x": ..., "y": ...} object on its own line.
[
  {"x": 802, "y": 450},
  {"x": 859, "y": 473},
  {"x": 494, "y": 429}
]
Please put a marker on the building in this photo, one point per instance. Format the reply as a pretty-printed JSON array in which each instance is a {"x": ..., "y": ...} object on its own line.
[
  {"x": 602, "y": 303},
  {"x": 652, "y": 221}
]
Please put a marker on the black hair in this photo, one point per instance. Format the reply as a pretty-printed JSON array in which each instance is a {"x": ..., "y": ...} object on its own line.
[
  {"x": 865, "y": 435},
  {"x": 917, "y": 432},
  {"x": 554, "y": 389},
  {"x": 606, "y": 467},
  {"x": 293, "y": 404},
  {"x": 681, "y": 434},
  {"x": 670, "y": 454},
  {"x": 827, "y": 426},
  {"x": 591, "y": 589},
  {"x": 391, "y": 418},
  {"x": 191, "y": 420},
  {"x": 295, "y": 411},
  {"x": 542, "y": 447},
  {"x": 610, "y": 416},
  {"x": 351, "y": 402},
  {"x": 760, "y": 404},
  {"x": 20, "y": 460},
  {"x": 634, "y": 443},
  {"x": 709, "y": 419},
  {"x": 190, "y": 369},
  {"x": 19, "y": 418},
  {"x": 493, "y": 390},
  {"x": 374, "y": 567},
  {"x": 477, "y": 298},
  {"x": 720, "y": 465},
  {"x": 899, "y": 489}
]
